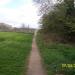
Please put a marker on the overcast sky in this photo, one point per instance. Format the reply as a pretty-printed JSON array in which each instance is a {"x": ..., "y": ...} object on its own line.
[{"x": 16, "y": 12}]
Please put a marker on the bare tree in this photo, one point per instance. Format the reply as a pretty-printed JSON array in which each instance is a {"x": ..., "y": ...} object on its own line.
[
  {"x": 5, "y": 27},
  {"x": 45, "y": 5}
]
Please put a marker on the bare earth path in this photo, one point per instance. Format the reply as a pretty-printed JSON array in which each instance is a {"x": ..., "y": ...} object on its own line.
[{"x": 35, "y": 65}]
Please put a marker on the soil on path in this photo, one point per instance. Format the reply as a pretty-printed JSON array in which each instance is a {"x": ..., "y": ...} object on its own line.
[{"x": 35, "y": 65}]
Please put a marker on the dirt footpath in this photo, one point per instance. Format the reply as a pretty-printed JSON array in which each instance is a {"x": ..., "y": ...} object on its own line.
[{"x": 35, "y": 65}]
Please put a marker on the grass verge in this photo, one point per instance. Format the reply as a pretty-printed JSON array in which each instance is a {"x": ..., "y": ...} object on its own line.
[
  {"x": 14, "y": 50},
  {"x": 58, "y": 58}
]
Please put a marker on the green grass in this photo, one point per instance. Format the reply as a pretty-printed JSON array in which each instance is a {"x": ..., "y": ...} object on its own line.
[
  {"x": 14, "y": 50},
  {"x": 56, "y": 54}
]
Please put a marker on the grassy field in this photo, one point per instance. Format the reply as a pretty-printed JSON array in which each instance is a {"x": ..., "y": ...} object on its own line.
[
  {"x": 55, "y": 55},
  {"x": 14, "y": 50}
]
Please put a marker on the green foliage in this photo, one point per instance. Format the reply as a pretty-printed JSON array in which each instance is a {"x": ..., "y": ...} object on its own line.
[
  {"x": 56, "y": 21},
  {"x": 69, "y": 7},
  {"x": 56, "y": 54},
  {"x": 14, "y": 50}
]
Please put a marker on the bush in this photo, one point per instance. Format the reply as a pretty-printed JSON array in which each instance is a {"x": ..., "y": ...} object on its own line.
[{"x": 57, "y": 22}]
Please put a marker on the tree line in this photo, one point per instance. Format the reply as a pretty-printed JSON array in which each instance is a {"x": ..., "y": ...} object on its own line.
[
  {"x": 8, "y": 28},
  {"x": 58, "y": 19}
]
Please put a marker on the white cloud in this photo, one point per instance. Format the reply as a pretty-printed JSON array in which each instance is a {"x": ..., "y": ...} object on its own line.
[
  {"x": 4, "y": 2},
  {"x": 26, "y": 13}
]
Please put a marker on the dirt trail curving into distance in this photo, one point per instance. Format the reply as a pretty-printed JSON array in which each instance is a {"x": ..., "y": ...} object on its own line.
[{"x": 35, "y": 65}]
